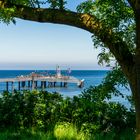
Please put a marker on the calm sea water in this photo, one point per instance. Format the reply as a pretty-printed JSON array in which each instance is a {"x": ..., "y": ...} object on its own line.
[{"x": 91, "y": 77}]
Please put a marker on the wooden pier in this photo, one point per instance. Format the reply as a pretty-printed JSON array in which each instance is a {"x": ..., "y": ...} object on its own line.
[{"x": 32, "y": 81}]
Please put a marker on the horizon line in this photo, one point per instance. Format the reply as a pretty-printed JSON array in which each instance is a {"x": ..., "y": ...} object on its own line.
[{"x": 53, "y": 69}]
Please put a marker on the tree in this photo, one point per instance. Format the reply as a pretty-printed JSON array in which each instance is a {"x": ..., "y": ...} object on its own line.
[{"x": 120, "y": 36}]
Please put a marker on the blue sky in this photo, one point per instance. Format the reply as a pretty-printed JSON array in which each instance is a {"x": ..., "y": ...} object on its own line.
[{"x": 31, "y": 45}]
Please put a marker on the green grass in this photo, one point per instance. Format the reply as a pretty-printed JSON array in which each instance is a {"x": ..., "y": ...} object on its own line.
[
  {"x": 113, "y": 136},
  {"x": 26, "y": 135},
  {"x": 62, "y": 131}
]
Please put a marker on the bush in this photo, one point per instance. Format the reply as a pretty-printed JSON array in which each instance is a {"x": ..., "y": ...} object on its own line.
[{"x": 90, "y": 113}]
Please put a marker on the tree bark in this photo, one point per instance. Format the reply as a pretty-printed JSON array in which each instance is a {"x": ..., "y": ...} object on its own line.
[
  {"x": 135, "y": 84},
  {"x": 134, "y": 81}
]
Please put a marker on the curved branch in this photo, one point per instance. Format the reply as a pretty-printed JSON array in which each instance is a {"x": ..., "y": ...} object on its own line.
[{"x": 84, "y": 21}]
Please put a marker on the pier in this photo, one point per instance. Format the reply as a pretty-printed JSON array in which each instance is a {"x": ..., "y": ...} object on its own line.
[{"x": 36, "y": 81}]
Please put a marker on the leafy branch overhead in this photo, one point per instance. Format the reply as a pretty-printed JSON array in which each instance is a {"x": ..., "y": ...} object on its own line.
[{"x": 116, "y": 15}]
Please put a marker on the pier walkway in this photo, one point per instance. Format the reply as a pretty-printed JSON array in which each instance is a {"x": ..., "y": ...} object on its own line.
[{"x": 31, "y": 81}]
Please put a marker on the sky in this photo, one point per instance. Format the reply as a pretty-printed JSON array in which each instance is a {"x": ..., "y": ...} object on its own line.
[{"x": 32, "y": 45}]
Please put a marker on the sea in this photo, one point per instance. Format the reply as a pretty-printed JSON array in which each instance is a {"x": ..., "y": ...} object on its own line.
[{"x": 91, "y": 78}]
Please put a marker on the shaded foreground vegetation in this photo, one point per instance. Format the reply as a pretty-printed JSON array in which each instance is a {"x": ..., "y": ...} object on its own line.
[
  {"x": 91, "y": 115},
  {"x": 63, "y": 131}
]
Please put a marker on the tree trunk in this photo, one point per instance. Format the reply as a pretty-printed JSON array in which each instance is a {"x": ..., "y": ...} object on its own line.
[
  {"x": 136, "y": 92},
  {"x": 135, "y": 77},
  {"x": 135, "y": 87}
]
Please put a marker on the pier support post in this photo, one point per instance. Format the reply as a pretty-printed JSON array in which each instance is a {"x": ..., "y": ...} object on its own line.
[
  {"x": 23, "y": 84},
  {"x": 61, "y": 84},
  {"x": 45, "y": 84},
  {"x": 42, "y": 85},
  {"x": 65, "y": 84},
  {"x": 49, "y": 84},
  {"x": 12, "y": 83},
  {"x": 19, "y": 85},
  {"x": 35, "y": 84},
  {"x": 7, "y": 86},
  {"x": 54, "y": 84},
  {"x": 28, "y": 84}
]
